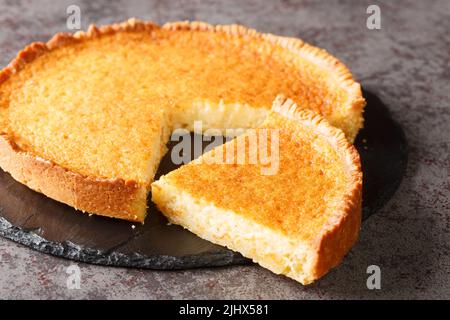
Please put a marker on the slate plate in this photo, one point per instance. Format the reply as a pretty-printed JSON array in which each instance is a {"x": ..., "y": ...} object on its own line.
[{"x": 36, "y": 221}]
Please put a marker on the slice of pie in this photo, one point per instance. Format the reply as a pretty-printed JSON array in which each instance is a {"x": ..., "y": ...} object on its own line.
[
  {"x": 297, "y": 217},
  {"x": 84, "y": 118}
]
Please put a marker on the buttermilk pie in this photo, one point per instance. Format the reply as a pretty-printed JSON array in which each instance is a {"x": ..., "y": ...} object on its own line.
[{"x": 85, "y": 117}]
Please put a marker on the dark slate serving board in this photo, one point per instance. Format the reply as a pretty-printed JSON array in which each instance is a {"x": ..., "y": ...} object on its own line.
[{"x": 36, "y": 221}]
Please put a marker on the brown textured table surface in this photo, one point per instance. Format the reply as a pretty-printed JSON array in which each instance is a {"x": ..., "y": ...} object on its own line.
[{"x": 406, "y": 63}]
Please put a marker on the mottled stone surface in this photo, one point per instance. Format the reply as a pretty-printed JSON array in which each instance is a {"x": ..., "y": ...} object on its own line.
[{"x": 406, "y": 63}]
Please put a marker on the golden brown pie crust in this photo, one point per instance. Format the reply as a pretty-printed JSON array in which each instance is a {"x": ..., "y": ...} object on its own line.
[{"x": 339, "y": 234}]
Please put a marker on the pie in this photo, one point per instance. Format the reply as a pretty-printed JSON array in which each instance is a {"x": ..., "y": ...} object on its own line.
[
  {"x": 299, "y": 220},
  {"x": 84, "y": 118}
]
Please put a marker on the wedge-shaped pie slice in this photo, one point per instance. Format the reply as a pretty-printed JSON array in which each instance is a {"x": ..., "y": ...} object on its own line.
[
  {"x": 298, "y": 218},
  {"x": 84, "y": 118}
]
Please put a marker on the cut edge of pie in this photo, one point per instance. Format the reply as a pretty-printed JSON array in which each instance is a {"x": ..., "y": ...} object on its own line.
[
  {"x": 304, "y": 260},
  {"x": 126, "y": 199}
]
